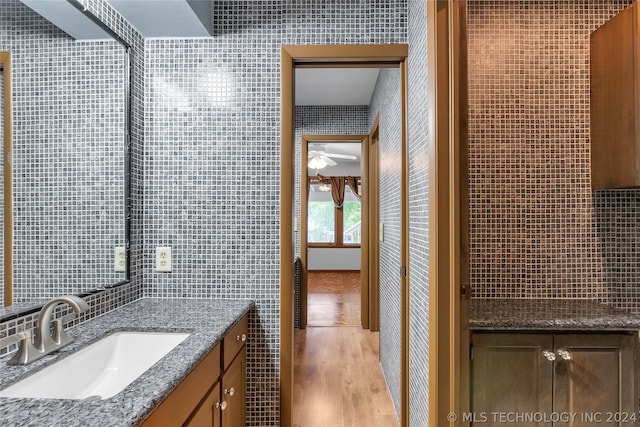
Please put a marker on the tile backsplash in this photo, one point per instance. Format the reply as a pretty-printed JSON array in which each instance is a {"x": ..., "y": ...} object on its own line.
[{"x": 537, "y": 229}]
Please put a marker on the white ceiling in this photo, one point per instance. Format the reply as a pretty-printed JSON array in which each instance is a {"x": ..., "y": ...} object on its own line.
[{"x": 335, "y": 86}]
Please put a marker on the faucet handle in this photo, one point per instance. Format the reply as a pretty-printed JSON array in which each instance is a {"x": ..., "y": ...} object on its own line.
[{"x": 25, "y": 351}]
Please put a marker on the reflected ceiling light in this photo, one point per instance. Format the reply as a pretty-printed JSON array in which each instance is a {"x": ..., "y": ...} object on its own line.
[
  {"x": 324, "y": 188},
  {"x": 317, "y": 163}
]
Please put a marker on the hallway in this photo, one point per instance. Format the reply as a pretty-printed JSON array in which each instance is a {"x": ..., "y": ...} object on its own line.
[{"x": 338, "y": 380}]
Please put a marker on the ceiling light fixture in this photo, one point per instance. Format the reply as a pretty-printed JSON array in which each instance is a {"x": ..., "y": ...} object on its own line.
[{"x": 317, "y": 163}]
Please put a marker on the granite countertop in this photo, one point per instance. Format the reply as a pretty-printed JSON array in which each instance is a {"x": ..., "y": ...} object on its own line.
[
  {"x": 206, "y": 320},
  {"x": 548, "y": 315}
]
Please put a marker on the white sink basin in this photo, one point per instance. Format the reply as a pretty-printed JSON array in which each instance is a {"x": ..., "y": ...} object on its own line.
[{"x": 100, "y": 370}]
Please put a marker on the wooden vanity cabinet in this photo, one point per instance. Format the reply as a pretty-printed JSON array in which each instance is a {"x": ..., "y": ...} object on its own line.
[
  {"x": 214, "y": 393},
  {"x": 541, "y": 373},
  {"x": 233, "y": 381},
  {"x": 185, "y": 399},
  {"x": 233, "y": 392},
  {"x": 615, "y": 102},
  {"x": 208, "y": 413}
]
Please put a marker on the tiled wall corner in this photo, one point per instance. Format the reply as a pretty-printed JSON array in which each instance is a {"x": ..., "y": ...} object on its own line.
[
  {"x": 385, "y": 102},
  {"x": 421, "y": 138}
]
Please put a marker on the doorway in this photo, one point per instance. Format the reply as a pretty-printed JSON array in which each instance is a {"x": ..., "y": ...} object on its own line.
[
  {"x": 390, "y": 56},
  {"x": 334, "y": 233}
]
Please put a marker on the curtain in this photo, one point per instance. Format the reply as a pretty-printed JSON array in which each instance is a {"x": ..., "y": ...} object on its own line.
[
  {"x": 337, "y": 190},
  {"x": 352, "y": 182},
  {"x": 338, "y": 186}
]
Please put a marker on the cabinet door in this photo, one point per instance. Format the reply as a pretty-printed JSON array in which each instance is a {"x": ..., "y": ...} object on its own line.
[
  {"x": 233, "y": 391},
  {"x": 595, "y": 378},
  {"x": 510, "y": 375},
  {"x": 208, "y": 413}
]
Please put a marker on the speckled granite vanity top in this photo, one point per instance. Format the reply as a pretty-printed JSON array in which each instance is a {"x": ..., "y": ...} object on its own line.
[
  {"x": 206, "y": 320},
  {"x": 548, "y": 315}
]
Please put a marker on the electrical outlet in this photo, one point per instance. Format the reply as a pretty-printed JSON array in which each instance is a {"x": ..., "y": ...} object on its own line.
[
  {"x": 120, "y": 259},
  {"x": 163, "y": 259}
]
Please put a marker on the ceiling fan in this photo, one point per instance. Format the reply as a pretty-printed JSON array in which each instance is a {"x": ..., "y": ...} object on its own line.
[{"x": 320, "y": 158}]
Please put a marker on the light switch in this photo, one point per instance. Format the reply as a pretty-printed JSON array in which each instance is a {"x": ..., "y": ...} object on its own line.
[{"x": 163, "y": 259}]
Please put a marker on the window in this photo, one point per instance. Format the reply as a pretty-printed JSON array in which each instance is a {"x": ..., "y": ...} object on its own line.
[{"x": 328, "y": 226}]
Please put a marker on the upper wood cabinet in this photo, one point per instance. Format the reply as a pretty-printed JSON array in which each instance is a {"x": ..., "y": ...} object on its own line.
[{"x": 615, "y": 102}]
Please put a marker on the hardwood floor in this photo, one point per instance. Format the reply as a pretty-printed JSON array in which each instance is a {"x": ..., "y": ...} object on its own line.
[
  {"x": 333, "y": 298},
  {"x": 338, "y": 381}
]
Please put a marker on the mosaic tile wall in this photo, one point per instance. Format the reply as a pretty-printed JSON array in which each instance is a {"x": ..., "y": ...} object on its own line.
[
  {"x": 386, "y": 103},
  {"x": 67, "y": 157},
  {"x": 537, "y": 229},
  {"x": 212, "y": 158},
  {"x": 421, "y": 136}
]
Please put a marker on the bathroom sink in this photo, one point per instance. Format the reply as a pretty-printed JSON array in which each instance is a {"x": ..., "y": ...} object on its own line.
[{"x": 100, "y": 370}]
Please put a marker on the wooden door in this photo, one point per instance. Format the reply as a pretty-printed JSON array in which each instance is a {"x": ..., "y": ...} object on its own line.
[
  {"x": 233, "y": 392},
  {"x": 510, "y": 374},
  {"x": 594, "y": 378}
]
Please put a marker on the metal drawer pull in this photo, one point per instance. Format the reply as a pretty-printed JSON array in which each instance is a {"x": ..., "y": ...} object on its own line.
[
  {"x": 230, "y": 391},
  {"x": 549, "y": 355},
  {"x": 222, "y": 406},
  {"x": 242, "y": 337},
  {"x": 564, "y": 354}
]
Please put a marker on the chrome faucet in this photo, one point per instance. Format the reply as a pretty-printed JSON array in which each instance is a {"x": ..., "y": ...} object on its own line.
[{"x": 44, "y": 341}]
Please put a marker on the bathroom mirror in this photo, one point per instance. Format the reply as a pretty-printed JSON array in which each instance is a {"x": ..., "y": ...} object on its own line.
[{"x": 69, "y": 127}]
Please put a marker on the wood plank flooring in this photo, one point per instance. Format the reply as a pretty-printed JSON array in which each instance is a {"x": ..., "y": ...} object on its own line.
[
  {"x": 338, "y": 381},
  {"x": 333, "y": 298}
]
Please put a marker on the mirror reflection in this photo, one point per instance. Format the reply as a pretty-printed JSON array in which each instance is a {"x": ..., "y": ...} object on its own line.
[{"x": 68, "y": 114}]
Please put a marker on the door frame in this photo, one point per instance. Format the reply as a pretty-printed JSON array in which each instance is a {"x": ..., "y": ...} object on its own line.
[
  {"x": 449, "y": 272},
  {"x": 5, "y": 68},
  {"x": 304, "y": 196},
  {"x": 371, "y": 273},
  {"x": 318, "y": 56}
]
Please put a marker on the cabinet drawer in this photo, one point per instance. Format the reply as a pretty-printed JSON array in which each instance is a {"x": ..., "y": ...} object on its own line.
[
  {"x": 234, "y": 341},
  {"x": 179, "y": 405}
]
